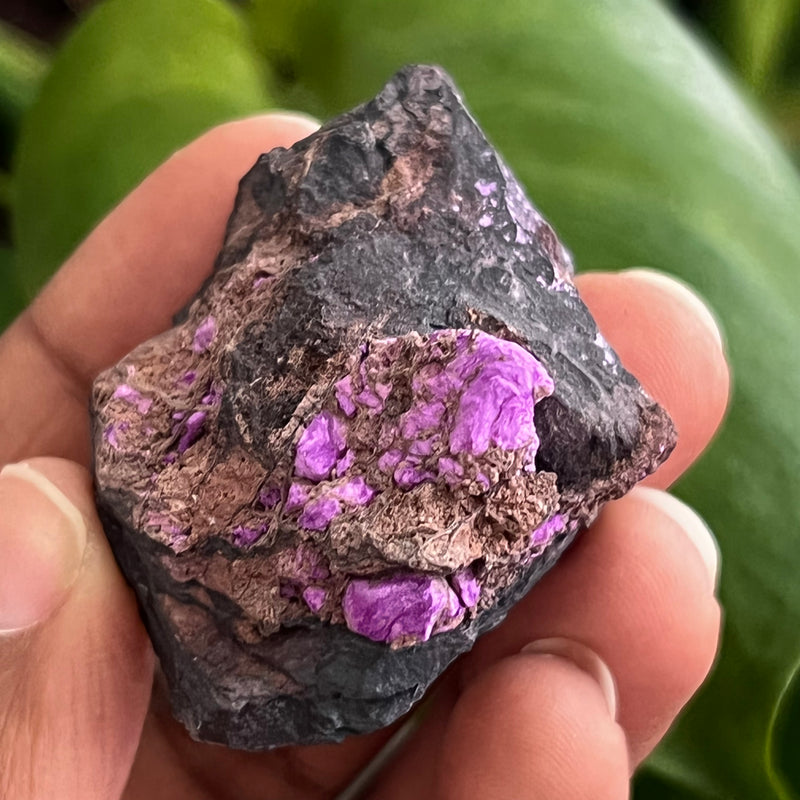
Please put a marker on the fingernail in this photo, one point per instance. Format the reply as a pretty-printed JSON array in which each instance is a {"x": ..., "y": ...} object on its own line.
[
  {"x": 42, "y": 542},
  {"x": 692, "y": 524},
  {"x": 297, "y": 118},
  {"x": 582, "y": 657},
  {"x": 687, "y": 295}
]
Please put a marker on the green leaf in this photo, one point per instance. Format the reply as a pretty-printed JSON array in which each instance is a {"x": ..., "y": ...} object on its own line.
[
  {"x": 784, "y": 739},
  {"x": 761, "y": 33},
  {"x": 136, "y": 80},
  {"x": 22, "y": 68},
  {"x": 639, "y": 150},
  {"x": 11, "y": 302}
]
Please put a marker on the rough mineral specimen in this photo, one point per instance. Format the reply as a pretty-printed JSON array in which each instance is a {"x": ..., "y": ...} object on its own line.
[{"x": 383, "y": 418}]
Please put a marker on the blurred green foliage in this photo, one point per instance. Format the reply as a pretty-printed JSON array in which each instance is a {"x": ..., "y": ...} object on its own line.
[
  {"x": 135, "y": 82},
  {"x": 632, "y": 139}
]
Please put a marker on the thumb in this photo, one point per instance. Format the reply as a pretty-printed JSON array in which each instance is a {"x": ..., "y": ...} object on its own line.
[{"x": 75, "y": 663}]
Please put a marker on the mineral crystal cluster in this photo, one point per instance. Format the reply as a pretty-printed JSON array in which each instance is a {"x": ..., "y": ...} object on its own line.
[{"x": 381, "y": 420}]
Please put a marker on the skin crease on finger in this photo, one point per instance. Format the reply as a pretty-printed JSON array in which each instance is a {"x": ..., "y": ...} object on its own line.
[{"x": 51, "y": 354}]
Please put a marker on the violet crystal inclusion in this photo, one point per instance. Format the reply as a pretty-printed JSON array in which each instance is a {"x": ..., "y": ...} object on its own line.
[{"x": 382, "y": 419}]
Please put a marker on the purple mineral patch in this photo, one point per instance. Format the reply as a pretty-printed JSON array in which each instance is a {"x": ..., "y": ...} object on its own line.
[
  {"x": 355, "y": 492},
  {"x": 244, "y": 536},
  {"x": 315, "y": 597},
  {"x": 389, "y": 460},
  {"x": 204, "y": 335},
  {"x": 344, "y": 395},
  {"x": 317, "y": 515},
  {"x": 269, "y": 497},
  {"x": 544, "y": 534},
  {"x": 213, "y": 396},
  {"x": 408, "y": 475},
  {"x": 467, "y": 587},
  {"x": 192, "y": 430},
  {"x": 320, "y": 447},
  {"x": 421, "y": 418},
  {"x": 303, "y": 565},
  {"x": 502, "y": 382},
  {"x": 110, "y": 434},
  {"x": 404, "y": 605},
  {"x": 134, "y": 397},
  {"x": 450, "y": 470},
  {"x": 296, "y": 498},
  {"x": 344, "y": 463}
]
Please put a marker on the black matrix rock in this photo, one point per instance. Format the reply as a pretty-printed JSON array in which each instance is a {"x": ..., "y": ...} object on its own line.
[{"x": 382, "y": 419}]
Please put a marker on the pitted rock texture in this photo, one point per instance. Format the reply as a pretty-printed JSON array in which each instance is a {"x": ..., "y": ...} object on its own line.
[{"x": 383, "y": 418}]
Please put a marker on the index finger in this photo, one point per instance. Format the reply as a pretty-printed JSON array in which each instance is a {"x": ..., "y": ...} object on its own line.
[{"x": 123, "y": 284}]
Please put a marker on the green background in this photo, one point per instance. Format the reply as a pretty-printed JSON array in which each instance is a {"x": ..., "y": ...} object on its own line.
[{"x": 649, "y": 134}]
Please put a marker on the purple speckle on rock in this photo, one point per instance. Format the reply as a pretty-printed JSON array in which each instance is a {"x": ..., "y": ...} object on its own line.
[
  {"x": 344, "y": 463},
  {"x": 269, "y": 497},
  {"x": 296, "y": 498},
  {"x": 134, "y": 397},
  {"x": 389, "y": 460},
  {"x": 356, "y": 492},
  {"x": 544, "y": 534},
  {"x": 485, "y": 188},
  {"x": 110, "y": 435},
  {"x": 408, "y": 475},
  {"x": 422, "y": 447},
  {"x": 371, "y": 400},
  {"x": 320, "y": 447},
  {"x": 421, "y": 418},
  {"x": 485, "y": 221},
  {"x": 189, "y": 377},
  {"x": 303, "y": 565},
  {"x": 288, "y": 589},
  {"x": 166, "y": 524},
  {"x": 344, "y": 395},
  {"x": 204, "y": 335},
  {"x": 467, "y": 587},
  {"x": 192, "y": 430},
  {"x": 450, "y": 470},
  {"x": 261, "y": 280},
  {"x": 244, "y": 535},
  {"x": 401, "y": 606},
  {"x": 315, "y": 597},
  {"x": 213, "y": 396},
  {"x": 317, "y": 515}
]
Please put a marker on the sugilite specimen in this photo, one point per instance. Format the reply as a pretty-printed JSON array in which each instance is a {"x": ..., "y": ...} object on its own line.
[{"x": 382, "y": 419}]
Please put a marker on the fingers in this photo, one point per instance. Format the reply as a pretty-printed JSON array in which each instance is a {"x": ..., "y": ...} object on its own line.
[
  {"x": 76, "y": 670},
  {"x": 536, "y": 725},
  {"x": 123, "y": 284},
  {"x": 43, "y": 544},
  {"x": 638, "y": 589},
  {"x": 668, "y": 339}
]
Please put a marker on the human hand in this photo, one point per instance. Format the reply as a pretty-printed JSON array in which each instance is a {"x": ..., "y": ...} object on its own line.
[{"x": 625, "y": 628}]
